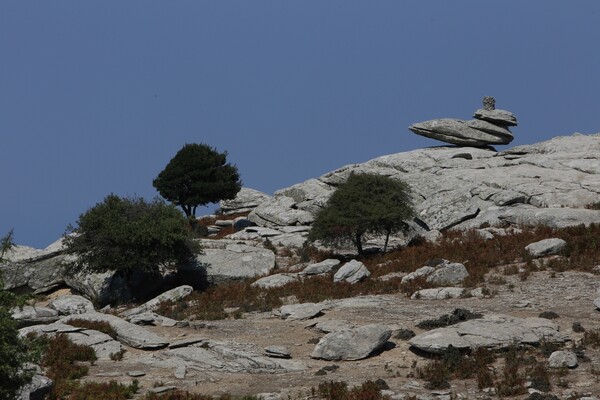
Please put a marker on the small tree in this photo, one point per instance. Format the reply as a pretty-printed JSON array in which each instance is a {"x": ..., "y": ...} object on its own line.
[
  {"x": 128, "y": 234},
  {"x": 196, "y": 176},
  {"x": 365, "y": 203}
]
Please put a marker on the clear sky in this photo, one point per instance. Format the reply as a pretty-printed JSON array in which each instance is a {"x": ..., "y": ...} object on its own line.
[{"x": 97, "y": 96}]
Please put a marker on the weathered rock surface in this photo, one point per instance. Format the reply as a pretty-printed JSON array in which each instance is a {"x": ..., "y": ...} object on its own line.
[
  {"x": 320, "y": 268},
  {"x": 38, "y": 388},
  {"x": 33, "y": 315},
  {"x": 278, "y": 352},
  {"x": 232, "y": 262},
  {"x": 546, "y": 247},
  {"x": 71, "y": 304},
  {"x": 280, "y": 211},
  {"x": 460, "y": 132},
  {"x": 440, "y": 293},
  {"x": 448, "y": 273},
  {"x": 546, "y": 183},
  {"x": 39, "y": 274},
  {"x": 174, "y": 294},
  {"x": 352, "y": 272},
  {"x": 352, "y": 344},
  {"x": 301, "y": 311},
  {"x": 224, "y": 357},
  {"x": 101, "y": 287},
  {"x": 492, "y": 331},
  {"x": 245, "y": 201},
  {"x": 274, "y": 281},
  {"x": 500, "y": 117},
  {"x": 562, "y": 359},
  {"x": 102, "y": 343},
  {"x": 127, "y": 333}
]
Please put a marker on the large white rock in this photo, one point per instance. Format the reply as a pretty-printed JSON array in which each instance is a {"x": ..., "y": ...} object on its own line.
[
  {"x": 234, "y": 262},
  {"x": 274, "y": 281},
  {"x": 71, "y": 304},
  {"x": 546, "y": 247},
  {"x": 352, "y": 272},
  {"x": 352, "y": 344}
]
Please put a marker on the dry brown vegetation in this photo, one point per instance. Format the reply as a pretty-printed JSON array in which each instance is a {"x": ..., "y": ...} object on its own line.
[{"x": 477, "y": 254}]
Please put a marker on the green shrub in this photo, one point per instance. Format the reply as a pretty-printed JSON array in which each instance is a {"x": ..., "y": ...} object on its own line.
[
  {"x": 365, "y": 203},
  {"x": 129, "y": 234}
]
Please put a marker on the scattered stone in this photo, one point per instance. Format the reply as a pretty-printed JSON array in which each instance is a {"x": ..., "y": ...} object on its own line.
[
  {"x": 448, "y": 274},
  {"x": 441, "y": 293},
  {"x": 323, "y": 267},
  {"x": 405, "y": 334},
  {"x": 549, "y": 315},
  {"x": 418, "y": 273},
  {"x": 458, "y": 315},
  {"x": 278, "y": 352},
  {"x": 274, "y": 281},
  {"x": 180, "y": 371},
  {"x": 561, "y": 359},
  {"x": 301, "y": 311},
  {"x": 185, "y": 342},
  {"x": 352, "y": 272},
  {"x": 577, "y": 327},
  {"x": 546, "y": 247},
  {"x": 352, "y": 344},
  {"x": 71, "y": 304},
  {"x": 162, "y": 389},
  {"x": 136, "y": 374},
  {"x": 392, "y": 275}
]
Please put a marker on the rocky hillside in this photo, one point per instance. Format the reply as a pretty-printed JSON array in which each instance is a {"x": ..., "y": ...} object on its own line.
[{"x": 517, "y": 322}]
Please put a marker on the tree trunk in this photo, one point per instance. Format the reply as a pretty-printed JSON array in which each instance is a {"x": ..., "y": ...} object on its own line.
[
  {"x": 387, "y": 239},
  {"x": 187, "y": 210},
  {"x": 358, "y": 243}
]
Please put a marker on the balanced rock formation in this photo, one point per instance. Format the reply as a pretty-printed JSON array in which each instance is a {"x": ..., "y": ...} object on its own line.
[{"x": 490, "y": 127}]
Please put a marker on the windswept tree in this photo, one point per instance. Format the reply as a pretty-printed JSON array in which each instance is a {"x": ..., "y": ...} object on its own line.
[
  {"x": 365, "y": 203},
  {"x": 196, "y": 176}
]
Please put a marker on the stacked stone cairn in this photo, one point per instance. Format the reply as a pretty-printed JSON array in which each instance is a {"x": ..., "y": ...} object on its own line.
[{"x": 490, "y": 127}]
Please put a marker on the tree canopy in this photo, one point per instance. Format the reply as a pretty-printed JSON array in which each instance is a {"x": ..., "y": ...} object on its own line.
[
  {"x": 198, "y": 175},
  {"x": 365, "y": 203},
  {"x": 130, "y": 234}
]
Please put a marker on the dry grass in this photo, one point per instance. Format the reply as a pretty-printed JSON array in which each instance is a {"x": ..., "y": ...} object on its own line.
[{"x": 477, "y": 254}]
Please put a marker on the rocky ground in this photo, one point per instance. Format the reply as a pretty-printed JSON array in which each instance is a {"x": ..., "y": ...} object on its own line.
[{"x": 236, "y": 362}]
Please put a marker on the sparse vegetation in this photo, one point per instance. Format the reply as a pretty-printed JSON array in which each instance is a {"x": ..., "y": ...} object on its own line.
[
  {"x": 100, "y": 326},
  {"x": 369, "y": 390}
]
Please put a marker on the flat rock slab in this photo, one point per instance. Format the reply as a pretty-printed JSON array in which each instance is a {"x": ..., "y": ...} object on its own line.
[
  {"x": 301, "y": 311},
  {"x": 492, "y": 331},
  {"x": 175, "y": 294},
  {"x": 127, "y": 333},
  {"x": 323, "y": 267},
  {"x": 278, "y": 352},
  {"x": 352, "y": 344},
  {"x": 274, "y": 281},
  {"x": 224, "y": 357},
  {"x": 103, "y": 344}
]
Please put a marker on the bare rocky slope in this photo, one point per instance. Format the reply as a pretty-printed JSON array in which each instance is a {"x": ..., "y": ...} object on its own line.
[{"x": 286, "y": 352}]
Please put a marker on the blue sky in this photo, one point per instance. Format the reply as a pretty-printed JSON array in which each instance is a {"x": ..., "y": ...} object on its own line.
[{"x": 96, "y": 97}]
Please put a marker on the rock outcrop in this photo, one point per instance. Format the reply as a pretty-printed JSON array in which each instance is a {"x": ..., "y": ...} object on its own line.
[
  {"x": 490, "y": 127},
  {"x": 548, "y": 183},
  {"x": 352, "y": 344}
]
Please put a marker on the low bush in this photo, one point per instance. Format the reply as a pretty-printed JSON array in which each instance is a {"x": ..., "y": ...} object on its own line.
[{"x": 369, "y": 390}]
